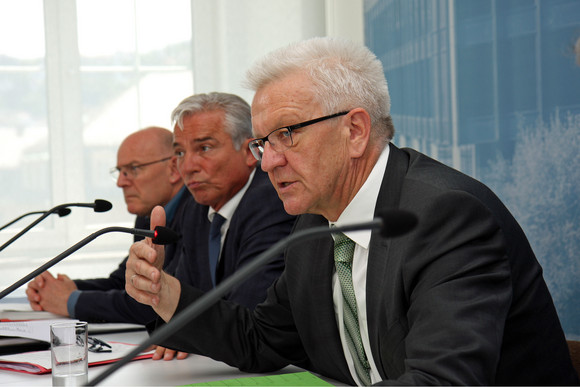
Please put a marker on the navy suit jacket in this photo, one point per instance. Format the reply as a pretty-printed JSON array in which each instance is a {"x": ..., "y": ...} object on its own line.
[
  {"x": 459, "y": 300},
  {"x": 258, "y": 222},
  {"x": 105, "y": 299}
]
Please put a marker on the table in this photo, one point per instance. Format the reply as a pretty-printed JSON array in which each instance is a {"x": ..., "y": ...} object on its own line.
[{"x": 194, "y": 369}]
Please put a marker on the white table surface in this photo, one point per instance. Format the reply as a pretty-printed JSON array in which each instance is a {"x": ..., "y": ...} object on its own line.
[{"x": 194, "y": 369}]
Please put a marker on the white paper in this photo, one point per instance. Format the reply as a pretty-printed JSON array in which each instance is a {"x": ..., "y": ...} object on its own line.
[{"x": 36, "y": 329}]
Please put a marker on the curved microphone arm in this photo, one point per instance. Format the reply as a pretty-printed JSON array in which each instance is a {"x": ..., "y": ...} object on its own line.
[
  {"x": 61, "y": 212},
  {"x": 161, "y": 235},
  {"x": 20, "y": 217},
  {"x": 99, "y": 206}
]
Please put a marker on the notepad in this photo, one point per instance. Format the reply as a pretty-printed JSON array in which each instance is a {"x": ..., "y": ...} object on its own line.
[
  {"x": 291, "y": 379},
  {"x": 39, "y": 362}
]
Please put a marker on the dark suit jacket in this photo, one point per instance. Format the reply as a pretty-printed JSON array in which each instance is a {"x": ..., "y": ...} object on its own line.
[
  {"x": 258, "y": 222},
  {"x": 105, "y": 299},
  {"x": 459, "y": 300}
]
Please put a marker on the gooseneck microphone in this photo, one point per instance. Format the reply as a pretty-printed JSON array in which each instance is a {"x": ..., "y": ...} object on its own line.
[
  {"x": 61, "y": 212},
  {"x": 160, "y": 236},
  {"x": 392, "y": 223},
  {"x": 99, "y": 205}
]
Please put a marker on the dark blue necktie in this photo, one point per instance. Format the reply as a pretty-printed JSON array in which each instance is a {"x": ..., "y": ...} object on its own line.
[{"x": 214, "y": 243}]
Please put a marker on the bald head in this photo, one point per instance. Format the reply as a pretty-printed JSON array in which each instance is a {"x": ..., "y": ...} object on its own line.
[{"x": 148, "y": 175}]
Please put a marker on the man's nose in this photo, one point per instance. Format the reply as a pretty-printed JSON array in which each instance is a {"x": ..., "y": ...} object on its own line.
[{"x": 272, "y": 159}]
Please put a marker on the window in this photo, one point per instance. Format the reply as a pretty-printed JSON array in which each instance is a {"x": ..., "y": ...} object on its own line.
[{"x": 80, "y": 77}]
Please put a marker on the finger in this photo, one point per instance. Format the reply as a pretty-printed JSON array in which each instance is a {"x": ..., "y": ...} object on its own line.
[
  {"x": 39, "y": 282},
  {"x": 63, "y": 277},
  {"x": 33, "y": 285},
  {"x": 140, "y": 250},
  {"x": 142, "y": 270},
  {"x": 158, "y": 219},
  {"x": 182, "y": 355},
  {"x": 32, "y": 295},
  {"x": 133, "y": 288},
  {"x": 159, "y": 351},
  {"x": 169, "y": 354},
  {"x": 46, "y": 277}
]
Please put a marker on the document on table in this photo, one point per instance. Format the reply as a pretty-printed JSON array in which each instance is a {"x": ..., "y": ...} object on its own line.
[
  {"x": 34, "y": 329},
  {"x": 39, "y": 362}
]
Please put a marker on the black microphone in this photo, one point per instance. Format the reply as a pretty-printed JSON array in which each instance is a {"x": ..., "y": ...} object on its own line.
[
  {"x": 61, "y": 212},
  {"x": 392, "y": 223},
  {"x": 160, "y": 236},
  {"x": 99, "y": 205}
]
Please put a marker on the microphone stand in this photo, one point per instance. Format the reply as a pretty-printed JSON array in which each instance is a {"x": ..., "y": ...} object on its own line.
[
  {"x": 20, "y": 217},
  {"x": 101, "y": 204},
  {"x": 61, "y": 212},
  {"x": 211, "y": 297},
  {"x": 75, "y": 247}
]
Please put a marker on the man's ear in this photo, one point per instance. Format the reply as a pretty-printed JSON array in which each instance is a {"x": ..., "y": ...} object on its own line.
[
  {"x": 248, "y": 156},
  {"x": 174, "y": 175},
  {"x": 359, "y": 122}
]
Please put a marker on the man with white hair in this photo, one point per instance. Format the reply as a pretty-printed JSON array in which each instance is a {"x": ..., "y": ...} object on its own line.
[{"x": 458, "y": 300}]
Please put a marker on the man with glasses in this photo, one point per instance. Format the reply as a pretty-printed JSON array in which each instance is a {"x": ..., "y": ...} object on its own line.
[
  {"x": 147, "y": 174},
  {"x": 460, "y": 299}
]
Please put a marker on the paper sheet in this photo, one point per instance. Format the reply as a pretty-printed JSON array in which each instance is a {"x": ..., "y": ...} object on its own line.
[{"x": 34, "y": 329}]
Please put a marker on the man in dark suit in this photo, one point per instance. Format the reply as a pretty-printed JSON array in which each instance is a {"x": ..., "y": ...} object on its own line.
[
  {"x": 147, "y": 174},
  {"x": 211, "y": 136},
  {"x": 458, "y": 300}
]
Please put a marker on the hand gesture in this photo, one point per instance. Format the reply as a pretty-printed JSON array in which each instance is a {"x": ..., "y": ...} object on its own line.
[{"x": 145, "y": 279}]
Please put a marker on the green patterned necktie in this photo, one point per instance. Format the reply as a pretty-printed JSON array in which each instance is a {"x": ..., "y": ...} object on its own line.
[{"x": 343, "y": 254}]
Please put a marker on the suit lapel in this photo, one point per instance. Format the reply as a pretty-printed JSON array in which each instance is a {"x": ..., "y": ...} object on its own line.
[
  {"x": 389, "y": 198},
  {"x": 323, "y": 318}
]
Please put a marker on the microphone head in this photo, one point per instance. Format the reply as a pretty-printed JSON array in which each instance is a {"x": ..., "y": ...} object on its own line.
[
  {"x": 102, "y": 205},
  {"x": 63, "y": 211},
  {"x": 397, "y": 222},
  {"x": 164, "y": 236}
]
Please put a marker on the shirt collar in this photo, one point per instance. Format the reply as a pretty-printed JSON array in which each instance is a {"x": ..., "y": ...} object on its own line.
[
  {"x": 171, "y": 207},
  {"x": 228, "y": 209},
  {"x": 362, "y": 206}
]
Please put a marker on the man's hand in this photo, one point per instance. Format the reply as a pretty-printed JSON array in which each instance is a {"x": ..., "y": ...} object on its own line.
[
  {"x": 145, "y": 280},
  {"x": 50, "y": 294},
  {"x": 168, "y": 354}
]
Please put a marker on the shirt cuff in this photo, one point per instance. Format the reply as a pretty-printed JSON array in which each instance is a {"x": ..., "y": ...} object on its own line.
[{"x": 71, "y": 303}]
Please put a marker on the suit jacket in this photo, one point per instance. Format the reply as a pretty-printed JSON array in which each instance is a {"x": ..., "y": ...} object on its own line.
[
  {"x": 105, "y": 299},
  {"x": 258, "y": 222},
  {"x": 459, "y": 300}
]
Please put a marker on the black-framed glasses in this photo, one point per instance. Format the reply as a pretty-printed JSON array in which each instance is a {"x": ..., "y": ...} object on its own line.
[
  {"x": 130, "y": 170},
  {"x": 96, "y": 345},
  {"x": 281, "y": 139}
]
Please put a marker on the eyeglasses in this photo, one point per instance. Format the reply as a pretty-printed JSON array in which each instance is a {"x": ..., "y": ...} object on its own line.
[
  {"x": 131, "y": 171},
  {"x": 281, "y": 139},
  {"x": 96, "y": 345}
]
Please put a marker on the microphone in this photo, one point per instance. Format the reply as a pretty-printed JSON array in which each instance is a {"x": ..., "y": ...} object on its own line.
[
  {"x": 61, "y": 212},
  {"x": 99, "y": 205},
  {"x": 160, "y": 236},
  {"x": 392, "y": 223}
]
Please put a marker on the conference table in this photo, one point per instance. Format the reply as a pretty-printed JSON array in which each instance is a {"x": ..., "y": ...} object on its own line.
[{"x": 147, "y": 372}]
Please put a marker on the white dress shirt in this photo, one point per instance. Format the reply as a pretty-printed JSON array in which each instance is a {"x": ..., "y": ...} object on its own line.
[{"x": 360, "y": 209}]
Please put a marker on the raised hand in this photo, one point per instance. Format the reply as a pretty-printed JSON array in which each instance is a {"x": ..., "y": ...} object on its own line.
[{"x": 145, "y": 279}]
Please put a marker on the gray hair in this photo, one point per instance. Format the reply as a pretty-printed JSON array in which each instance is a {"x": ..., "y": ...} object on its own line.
[
  {"x": 344, "y": 74},
  {"x": 238, "y": 118}
]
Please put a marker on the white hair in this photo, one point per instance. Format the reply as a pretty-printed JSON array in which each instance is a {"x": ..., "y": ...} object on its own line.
[{"x": 344, "y": 75}]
